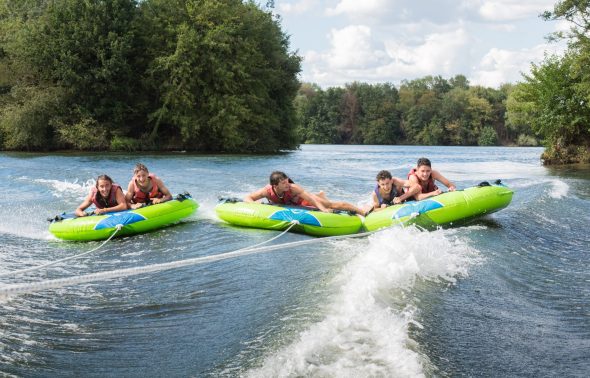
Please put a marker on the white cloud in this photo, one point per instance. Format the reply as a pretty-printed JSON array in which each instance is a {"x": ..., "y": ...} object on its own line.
[
  {"x": 353, "y": 58},
  {"x": 351, "y": 48},
  {"x": 437, "y": 54},
  {"x": 506, "y": 10},
  {"x": 503, "y": 27},
  {"x": 298, "y": 7},
  {"x": 355, "y": 7},
  {"x": 489, "y": 41},
  {"x": 502, "y": 66}
]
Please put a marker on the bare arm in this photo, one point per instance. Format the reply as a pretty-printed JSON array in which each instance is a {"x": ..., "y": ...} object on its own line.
[
  {"x": 399, "y": 185},
  {"x": 415, "y": 190},
  {"x": 167, "y": 195},
  {"x": 130, "y": 192},
  {"x": 421, "y": 196},
  {"x": 437, "y": 176},
  {"x": 414, "y": 187},
  {"x": 83, "y": 206},
  {"x": 376, "y": 206},
  {"x": 255, "y": 196}
]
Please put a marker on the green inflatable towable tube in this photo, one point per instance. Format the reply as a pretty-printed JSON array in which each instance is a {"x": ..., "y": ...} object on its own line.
[
  {"x": 446, "y": 208},
  {"x": 274, "y": 217},
  {"x": 99, "y": 227}
]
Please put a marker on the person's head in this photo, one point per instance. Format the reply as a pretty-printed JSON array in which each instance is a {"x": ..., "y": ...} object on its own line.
[
  {"x": 383, "y": 175},
  {"x": 141, "y": 173},
  {"x": 281, "y": 180},
  {"x": 423, "y": 169},
  {"x": 104, "y": 184},
  {"x": 423, "y": 161},
  {"x": 384, "y": 180}
]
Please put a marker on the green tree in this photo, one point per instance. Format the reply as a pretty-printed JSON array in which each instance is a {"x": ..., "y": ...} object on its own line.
[
  {"x": 229, "y": 82},
  {"x": 550, "y": 101},
  {"x": 209, "y": 75},
  {"x": 77, "y": 50},
  {"x": 561, "y": 113},
  {"x": 379, "y": 118},
  {"x": 487, "y": 137}
]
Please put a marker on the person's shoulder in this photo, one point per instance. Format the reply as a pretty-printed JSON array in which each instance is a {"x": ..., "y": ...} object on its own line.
[{"x": 297, "y": 187}]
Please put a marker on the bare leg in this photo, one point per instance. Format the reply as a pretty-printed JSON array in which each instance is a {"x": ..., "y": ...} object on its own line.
[
  {"x": 321, "y": 194},
  {"x": 339, "y": 205}
]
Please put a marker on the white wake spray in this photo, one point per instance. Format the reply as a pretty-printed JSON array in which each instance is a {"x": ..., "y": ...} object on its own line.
[{"x": 365, "y": 329}]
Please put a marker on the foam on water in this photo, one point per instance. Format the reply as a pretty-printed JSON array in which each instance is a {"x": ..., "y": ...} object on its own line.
[
  {"x": 61, "y": 188},
  {"x": 504, "y": 170},
  {"x": 559, "y": 189},
  {"x": 28, "y": 221},
  {"x": 364, "y": 331}
]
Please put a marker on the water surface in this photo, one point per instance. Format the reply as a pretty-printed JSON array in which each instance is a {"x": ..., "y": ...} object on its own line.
[{"x": 507, "y": 295}]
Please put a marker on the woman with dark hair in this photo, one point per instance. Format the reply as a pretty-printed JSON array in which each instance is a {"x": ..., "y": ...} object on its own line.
[{"x": 105, "y": 195}]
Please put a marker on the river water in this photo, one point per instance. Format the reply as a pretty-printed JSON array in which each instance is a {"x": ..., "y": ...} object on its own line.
[{"x": 507, "y": 295}]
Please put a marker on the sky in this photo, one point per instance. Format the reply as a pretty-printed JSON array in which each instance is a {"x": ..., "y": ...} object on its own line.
[{"x": 491, "y": 42}]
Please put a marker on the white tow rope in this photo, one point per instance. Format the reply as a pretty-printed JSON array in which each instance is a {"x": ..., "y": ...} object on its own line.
[
  {"x": 17, "y": 272},
  {"x": 15, "y": 289}
]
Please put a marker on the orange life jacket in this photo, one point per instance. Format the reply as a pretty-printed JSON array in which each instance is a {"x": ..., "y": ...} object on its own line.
[{"x": 139, "y": 196}]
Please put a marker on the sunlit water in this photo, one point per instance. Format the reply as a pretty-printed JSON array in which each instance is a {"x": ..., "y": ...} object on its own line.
[{"x": 507, "y": 295}]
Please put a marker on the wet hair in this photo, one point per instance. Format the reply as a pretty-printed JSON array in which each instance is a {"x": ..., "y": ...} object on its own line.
[
  {"x": 103, "y": 177},
  {"x": 278, "y": 176},
  {"x": 423, "y": 161},
  {"x": 140, "y": 167},
  {"x": 383, "y": 175}
]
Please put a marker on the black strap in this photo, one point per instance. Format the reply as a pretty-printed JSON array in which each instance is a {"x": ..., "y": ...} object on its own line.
[
  {"x": 56, "y": 218},
  {"x": 183, "y": 196},
  {"x": 229, "y": 199}
]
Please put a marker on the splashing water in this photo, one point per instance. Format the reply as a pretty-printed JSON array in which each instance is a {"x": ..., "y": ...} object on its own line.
[{"x": 364, "y": 331}]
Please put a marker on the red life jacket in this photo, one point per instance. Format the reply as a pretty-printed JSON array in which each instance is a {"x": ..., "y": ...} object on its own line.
[
  {"x": 102, "y": 203},
  {"x": 140, "y": 196},
  {"x": 287, "y": 199},
  {"x": 428, "y": 187}
]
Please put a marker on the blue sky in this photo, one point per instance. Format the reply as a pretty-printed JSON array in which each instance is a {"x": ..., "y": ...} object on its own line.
[{"x": 489, "y": 41}]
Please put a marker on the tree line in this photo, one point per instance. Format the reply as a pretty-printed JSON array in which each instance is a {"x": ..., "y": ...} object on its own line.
[
  {"x": 218, "y": 76},
  {"x": 425, "y": 111},
  {"x": 201, "y": 75}
]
